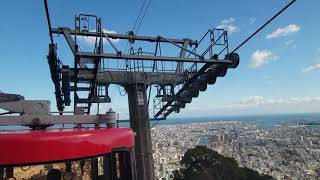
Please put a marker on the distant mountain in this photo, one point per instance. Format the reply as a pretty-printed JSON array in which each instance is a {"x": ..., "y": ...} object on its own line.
[{"x": 202, "y": 163}]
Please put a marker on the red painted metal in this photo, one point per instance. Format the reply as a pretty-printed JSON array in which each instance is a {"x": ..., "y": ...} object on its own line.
[{"x": 36, "y": 146}]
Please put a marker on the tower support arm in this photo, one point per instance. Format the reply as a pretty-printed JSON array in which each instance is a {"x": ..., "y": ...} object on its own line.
[
  {"x": 181, "y": 47},
  {"x": 150, "y": 58},
  {"x": 109, "y": 40},
  {"x": 125, "y": 78},
  {"x": 124, "y": 36},
  {"x": 71, "y": 43},
  {"x": 139, "y": 122}
]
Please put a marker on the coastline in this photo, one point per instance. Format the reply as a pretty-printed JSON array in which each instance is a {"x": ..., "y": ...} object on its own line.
[{"x": 262, "y": 121}]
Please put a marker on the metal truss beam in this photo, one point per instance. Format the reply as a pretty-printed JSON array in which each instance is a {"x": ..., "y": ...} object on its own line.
[
  {"x": 69, "y": 39},
  {"x": 67, "y": 33},
  {"x": 127, "y": 77},
  {"x": 124, "y": 36},
  {"x": 149, "y": 58}
]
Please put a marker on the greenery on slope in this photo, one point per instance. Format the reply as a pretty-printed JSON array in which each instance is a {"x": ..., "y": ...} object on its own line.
[{"x": 202, "y": 163}]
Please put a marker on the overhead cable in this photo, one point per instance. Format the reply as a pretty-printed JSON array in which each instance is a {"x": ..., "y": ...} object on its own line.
[
  {"x": 264, "y": 25},
  {"x": 48, "y": 20}
]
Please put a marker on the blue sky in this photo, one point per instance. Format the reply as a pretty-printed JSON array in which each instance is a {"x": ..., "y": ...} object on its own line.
[{"x": 279, "y": 70}]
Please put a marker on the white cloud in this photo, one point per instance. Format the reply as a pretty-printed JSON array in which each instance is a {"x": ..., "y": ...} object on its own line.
[
  {"x": 253, "y": 105},
  {"x": 92, "y": 40},
  {"x": 313, "y": 67},
  {"x": 257, "y": 101},
  {"x": 261, "y": 57},
  {"x": 281, "y": 32},
  {"x": 228, "y": 24},
  {"x": 252, "y": 20},
  {"x": 252, "y": 100}
]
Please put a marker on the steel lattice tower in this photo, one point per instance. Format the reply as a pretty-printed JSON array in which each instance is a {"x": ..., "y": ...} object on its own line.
[{"x": 175, "y": 87}]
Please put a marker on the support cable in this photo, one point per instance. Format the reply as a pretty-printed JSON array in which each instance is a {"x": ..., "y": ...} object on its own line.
[
  {"x": 48, "y": 20},
  {"x": 135, "y": 23},
  {"x": 145, "y": 12},
  {"x": 264, "y": 25},
  {"x": 134, "y": 26},
  {"x": 153, "y": 68},
  {"x": 158, "y": 119}
]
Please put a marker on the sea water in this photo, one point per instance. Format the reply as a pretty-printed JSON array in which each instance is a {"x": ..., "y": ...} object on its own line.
[{"x": 262, "y": 121}]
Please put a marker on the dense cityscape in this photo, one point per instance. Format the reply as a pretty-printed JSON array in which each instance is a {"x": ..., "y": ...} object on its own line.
[{"x": 288, "y": 151}]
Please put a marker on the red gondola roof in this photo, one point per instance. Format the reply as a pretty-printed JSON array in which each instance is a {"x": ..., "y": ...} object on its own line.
[{"x": 36, "y": 146}]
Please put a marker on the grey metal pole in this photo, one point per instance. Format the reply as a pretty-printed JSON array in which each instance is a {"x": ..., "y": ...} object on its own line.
[{"x": 139, "y": 122}]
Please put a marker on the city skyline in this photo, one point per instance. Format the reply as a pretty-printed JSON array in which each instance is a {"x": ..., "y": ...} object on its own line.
[{"x": 282, "y": 151}]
